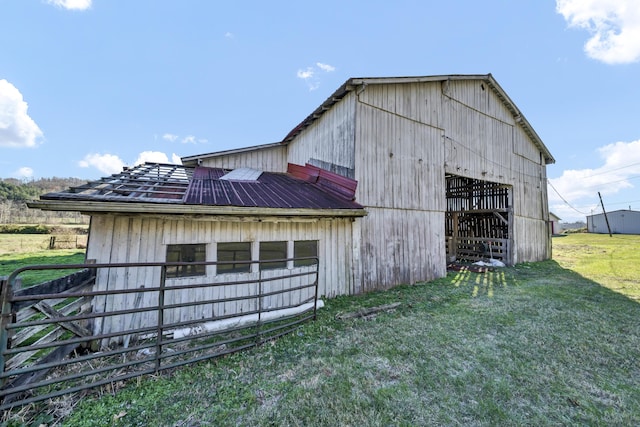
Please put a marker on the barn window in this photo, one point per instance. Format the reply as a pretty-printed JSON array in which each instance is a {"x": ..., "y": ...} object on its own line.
[
  {"x": 304, "y": 248},
  {"x": 273, "y": 251},
  {"x": 234, "y": 251},
  {"x": 186, "y": 253}
]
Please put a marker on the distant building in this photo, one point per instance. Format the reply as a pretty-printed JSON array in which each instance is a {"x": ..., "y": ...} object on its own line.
[
  {"x": 620, "y": 222},
  {"x": 554, "y": 221}
]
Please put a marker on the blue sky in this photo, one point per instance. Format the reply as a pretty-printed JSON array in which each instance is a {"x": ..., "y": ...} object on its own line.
[{"x": 88, "y": 86}]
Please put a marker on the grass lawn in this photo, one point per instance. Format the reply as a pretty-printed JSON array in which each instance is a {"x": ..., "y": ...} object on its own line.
[
  {"x": 21, "y": 250},
  {"x": 12, "y": 245},
  {"x": 613, "y": 262},
  {"x": 11, "y": 262},
  {"x": 549, "y": 343}
]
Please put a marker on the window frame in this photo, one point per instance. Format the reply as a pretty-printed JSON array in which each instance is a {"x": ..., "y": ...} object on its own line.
[
  {"x": 296, "y": 253},
  {"x": 186, "y": 252},
  {"x": 233, "y": 267},
  {"x": 277, "y": 247}
]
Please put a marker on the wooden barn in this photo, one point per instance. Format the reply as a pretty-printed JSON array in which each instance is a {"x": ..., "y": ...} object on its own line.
[
  {"x": 386, "y": 182},
  {"x": 448, "y": 168}
]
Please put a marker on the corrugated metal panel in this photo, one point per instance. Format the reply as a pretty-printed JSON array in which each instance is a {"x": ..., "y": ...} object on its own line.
[{"x": 270, "y": 190}]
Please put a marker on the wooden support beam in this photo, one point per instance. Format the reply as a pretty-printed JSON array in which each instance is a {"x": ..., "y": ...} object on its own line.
[
  {"x": 501, "y": 218},
  {"x": 52, "y": 313}
]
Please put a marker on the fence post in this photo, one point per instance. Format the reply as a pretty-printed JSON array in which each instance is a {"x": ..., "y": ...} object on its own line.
[
  {"x": 315, "y": 299},
  {"x": 163, "y": 278},
  {"x": 258, "y": 325},
  {"x": 5, "y": 319}
]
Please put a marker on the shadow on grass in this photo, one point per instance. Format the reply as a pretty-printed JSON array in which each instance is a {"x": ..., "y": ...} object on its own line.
[{"x": 549, "y": 275}]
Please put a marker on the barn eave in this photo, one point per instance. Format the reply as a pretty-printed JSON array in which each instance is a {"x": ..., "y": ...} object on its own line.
[{"x": 91, "y": 207}]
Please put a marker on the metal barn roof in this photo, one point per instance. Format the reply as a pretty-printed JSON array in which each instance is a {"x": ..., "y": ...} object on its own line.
[{"x": 162, "y": 188}]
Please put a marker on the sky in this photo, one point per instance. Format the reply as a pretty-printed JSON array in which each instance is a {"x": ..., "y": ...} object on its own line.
[{"x": 90, "y": 86}]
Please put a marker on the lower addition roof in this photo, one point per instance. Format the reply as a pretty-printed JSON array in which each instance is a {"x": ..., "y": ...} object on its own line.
[{"x": 177, "y": 189}]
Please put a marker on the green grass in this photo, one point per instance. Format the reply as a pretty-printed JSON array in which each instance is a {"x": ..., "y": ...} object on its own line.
[
  {"x": 21, "y": 250},
  {"x": 17, "y": 244},
  {"x": 535, "y": 344},
  {"x": 612, "y": 262},
  {"x": 11, "y": 262}
]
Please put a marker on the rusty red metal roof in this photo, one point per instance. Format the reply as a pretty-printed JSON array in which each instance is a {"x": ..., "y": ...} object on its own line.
[
  {"x": 304, "y": 187},
  {"x": 270, "y": 190}
]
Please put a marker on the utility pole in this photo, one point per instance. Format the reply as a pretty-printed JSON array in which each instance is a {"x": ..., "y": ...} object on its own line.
[{"x": 605, "y": 214}]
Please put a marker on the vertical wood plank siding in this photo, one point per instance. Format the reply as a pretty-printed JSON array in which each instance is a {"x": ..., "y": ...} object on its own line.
[
  {"x": 401, "y": 247},
  {"x": 408, "y": 136},
  {"x": 272, "y": 159},
  {"x": 399, "y": 158},
  {"x": 483, "y": 141},
  {"x": 141, "y": 238},
  {"x": 331, "y": 141}
]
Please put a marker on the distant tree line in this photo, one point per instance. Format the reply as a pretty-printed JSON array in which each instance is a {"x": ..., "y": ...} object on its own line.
[{"x": 14, "y": 195}]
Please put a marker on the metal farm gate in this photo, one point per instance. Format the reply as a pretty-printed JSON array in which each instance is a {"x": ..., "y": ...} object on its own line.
[{"x": 51, "y": 343}]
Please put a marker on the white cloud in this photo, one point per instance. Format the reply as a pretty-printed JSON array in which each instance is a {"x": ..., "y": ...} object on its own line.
[
  {"x": 305, "y": 74},
  {"x": 229, "y": 35},
  {"x": 17, "y": 129},
  {"x": 105, "y": 163},
  {"x": 310, "y": 74},
  {"x": 614, "y": 26},
  {"x": 111, "y": 164},
  {"x": 325, "y": 67},
  {"x": 23, "y": 172},
  {"x": 151, "y": 157},
  {"x": 170, "y": 137},
  {"x": 71, "y": 4},
  {"x": 189, "y": 139},
  {"x": 580, "y": 187}
]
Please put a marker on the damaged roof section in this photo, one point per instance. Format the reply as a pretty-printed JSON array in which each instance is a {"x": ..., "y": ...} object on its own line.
[
  {"x": 269, "y": 190},
  {"x": 150, "y": 182},
  {"x": 211, "y": 190}
]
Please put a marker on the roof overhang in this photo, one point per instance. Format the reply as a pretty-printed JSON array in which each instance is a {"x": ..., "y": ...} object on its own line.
[{"x": 92, "y": 207}]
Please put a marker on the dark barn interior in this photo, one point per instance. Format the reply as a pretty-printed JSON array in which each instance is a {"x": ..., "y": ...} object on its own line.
[{"x": 478, "y": 220}]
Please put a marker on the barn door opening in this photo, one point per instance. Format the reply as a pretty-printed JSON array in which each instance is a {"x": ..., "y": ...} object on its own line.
[{"x": 478, "y": 221}]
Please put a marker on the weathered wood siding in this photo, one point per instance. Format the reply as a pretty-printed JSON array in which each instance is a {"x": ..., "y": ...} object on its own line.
[
  {"x": 119, "y": 238},
  {"x": 407, "y": 137},
  {"x": 331, "y": 139},
  {"x": 272, "y": 159},
  {"x": 484, "y": 141},
  {"x": 399, "y": 158},
  {"x": 401, "y": 246},
  {"x": 531, "y": 237},
  {"x": 479, "y": 133}
]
